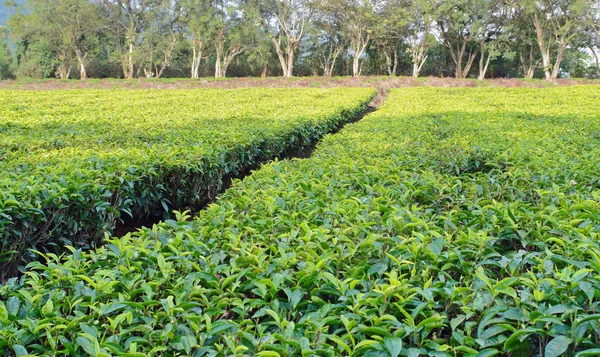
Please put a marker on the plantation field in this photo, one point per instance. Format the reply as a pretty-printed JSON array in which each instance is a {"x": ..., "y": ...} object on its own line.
[
  {"x": 73, "y": 163},
  {"x": 449, "y": 222}
]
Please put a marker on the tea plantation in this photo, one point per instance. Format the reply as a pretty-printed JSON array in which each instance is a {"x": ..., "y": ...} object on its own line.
[
  {"x": 74, "y": 163},
  {"x": 449, "y": 222}
]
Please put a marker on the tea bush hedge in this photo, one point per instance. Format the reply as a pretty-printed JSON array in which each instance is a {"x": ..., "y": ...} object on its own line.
[
  {"x": 450, "y": 222},
  {"x": 73, "y": 163}
]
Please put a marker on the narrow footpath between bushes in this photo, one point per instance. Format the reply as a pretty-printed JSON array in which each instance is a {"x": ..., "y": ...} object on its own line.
[{"x": 132, "y": 225}]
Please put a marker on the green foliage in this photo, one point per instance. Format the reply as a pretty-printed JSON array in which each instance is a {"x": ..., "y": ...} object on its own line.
[
  {"x": 74, "y": 163},
  {"x": 6, "y": 70},
  {"x": 451, "y": 222}
]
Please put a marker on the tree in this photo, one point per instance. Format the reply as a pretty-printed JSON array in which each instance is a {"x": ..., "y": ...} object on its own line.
[
  {"x": 522, "y": 37},
  {"x": 160, "y": 37},
  {"x": 591, "y": 37},
  {"x": 6, "y": 71},
  {"x": 491, "y": 36},
  {"x": 460, "y": 24},
  {"x": 359, "y": 22},
  {"x": 329, "y": 41},
  {"x": 229, "y": 28},
  {"x": 197, "y": 16},
  {"x": 260, "y": 53},
  {"x": 80, "y": 21},
  {"x": 422, "y": 14},
  {"x": 127, "y": 20},
  {"x": 593, "y": 42},
  {"x": 43, "y": 23},
  {"x": 284, "y": 21},
  {"x": 557, "y": 23},
  {"x": 389, "y": 28}
]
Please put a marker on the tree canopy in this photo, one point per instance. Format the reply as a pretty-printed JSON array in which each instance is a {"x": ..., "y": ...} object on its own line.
[{"x": 193, "y": 38}]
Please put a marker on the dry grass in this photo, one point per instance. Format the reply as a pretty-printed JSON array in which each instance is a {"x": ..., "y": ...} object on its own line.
[{"x": 382, "y": 83}]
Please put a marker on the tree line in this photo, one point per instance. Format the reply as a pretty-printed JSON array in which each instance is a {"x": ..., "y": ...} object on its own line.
[{"x": 194, "y": 38}]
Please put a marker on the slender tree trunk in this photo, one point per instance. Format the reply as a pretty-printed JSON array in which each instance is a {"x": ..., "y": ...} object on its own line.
[
  {"x": 197, "y": 47},
  {"x": 461, "y": 72},
  {"x": 458, "y": 61},
  {"x": 232, "y": 53},
  {"x": 130, "y": 61},
  {"x": 358, "y": 52},
  {"x": 395, "y": 68},
  {"x": 326, "y": 67},
  {"x": 595, "y": 54},
  {"x": 559, "y": 57},
  {"x": 483, "y": 62},
  {"x": 470, "y": 61},
  {"x": 290, "y": 60},
  {"x": 81, "y": 61},
  {"x": 544, "y": 48},
  {"x": 218, "y": 69},
  {"x": 264, "y": 71},
  {"x": 62, "y": 71},
  {"x": 82, "y": 72},
  {"x": 529, "y": 66},
  {"x": 330, "y": 62},
  {"x": 166, "y": 62},
  {"x": 418, "y": 50},
  {"x": 418, "y": 65},
  {"x": 388, "y": 62},
  {"x": 280, "y": 56},
  {"x": 355, "y": 65},
  {"x": 124, "y": 65}
]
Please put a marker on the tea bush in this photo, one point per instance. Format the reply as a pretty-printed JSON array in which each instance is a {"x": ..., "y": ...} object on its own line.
[
  {"x": 73, "y": 163},
  {"x": 450, "y": 222}
]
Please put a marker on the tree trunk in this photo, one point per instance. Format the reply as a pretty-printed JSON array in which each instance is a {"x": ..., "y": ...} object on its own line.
[
  {"x": 457, "y": 56},
  {"x": 544, "y": 49},
  {"x": 228, "y": 59},
  {"x": 467, "y": 68},
  {"x": 264, "y": 72},
  {"x": 355, "y": 65},
  {"x": 280, "y": 56},
  {"x": 331, "y": 60},
  {"x": 218, "y": 69},
  {"x": 418, "y": 50},
  {"x": 388, "y": 62},
  {"x": 167, "y": 57},
  {"x": 82, "y": 72},
  {"x": 358, "y": 52},
  {"x": 483, "y": 63},
  {"x": 395, "y": 68},
  {"x": 559, "y": 57},
  {"x": 124, "y": 65},
  {"x": 529, "y": 66},
  {"x": 130, "y": 61},
  {"x": 416, "y": 70},
  {"x": 595, "y": 54},
  {"x": 81, "y": 61},
  {"x": 63, "y": 72},
  {"x": 326, "y": 69},
  {"x": 290, "y": 61},
  {"x": 197, "y": 48}
]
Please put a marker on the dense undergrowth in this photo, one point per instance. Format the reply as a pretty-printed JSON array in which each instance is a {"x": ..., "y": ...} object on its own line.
[
  {"x": 450, "y": 222},
  {"x": 74, "y": 163}
]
